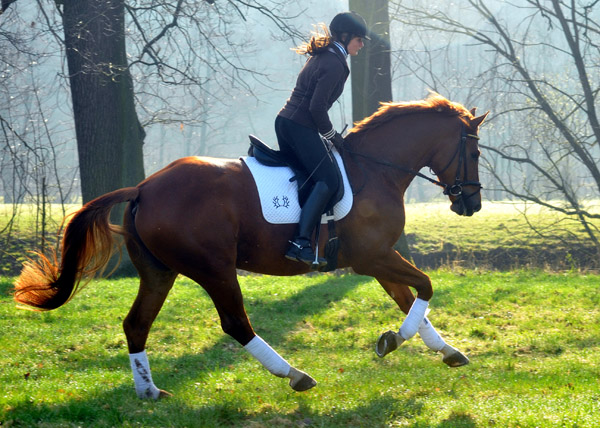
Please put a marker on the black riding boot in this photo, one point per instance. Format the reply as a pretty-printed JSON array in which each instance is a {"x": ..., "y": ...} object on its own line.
[{"x": 300, "y": 248}]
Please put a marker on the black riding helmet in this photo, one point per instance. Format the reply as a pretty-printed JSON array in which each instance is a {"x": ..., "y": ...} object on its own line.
[{"x": 351, "y": 23}]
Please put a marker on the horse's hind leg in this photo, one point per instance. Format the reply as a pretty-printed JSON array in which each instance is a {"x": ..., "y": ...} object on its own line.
[
  {"x": 156, "y": 281},
  {"x": 226, "y": 295},
  {"x": 154, "y": 287}
]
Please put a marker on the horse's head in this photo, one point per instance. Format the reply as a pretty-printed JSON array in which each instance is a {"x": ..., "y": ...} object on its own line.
[
  {"x": 457, "y": 167},
  {"x": 454, "y": 157}
]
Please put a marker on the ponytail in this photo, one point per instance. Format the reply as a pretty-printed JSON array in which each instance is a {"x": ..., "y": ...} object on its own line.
[{"x": 319, "y": 41}]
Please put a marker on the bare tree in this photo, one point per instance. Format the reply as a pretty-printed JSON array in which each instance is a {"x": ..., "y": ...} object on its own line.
[
  {"x": 32, "y": 183},
  {"x": 538, "y": 60},
  {"x": 182, "y": 58},
  {"x": 172, "y": 44}
]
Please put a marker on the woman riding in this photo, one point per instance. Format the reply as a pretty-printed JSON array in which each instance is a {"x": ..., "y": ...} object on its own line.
[{"x": 303, "y": 122}]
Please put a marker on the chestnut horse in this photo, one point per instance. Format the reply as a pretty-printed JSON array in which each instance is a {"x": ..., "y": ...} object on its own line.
[{"x": 201, "y": 217}]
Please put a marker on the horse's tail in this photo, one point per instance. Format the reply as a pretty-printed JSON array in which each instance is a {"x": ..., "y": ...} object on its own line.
[{"x": 87, "y": 246}]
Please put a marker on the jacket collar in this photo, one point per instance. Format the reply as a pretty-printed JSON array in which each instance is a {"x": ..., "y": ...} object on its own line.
[
  {"x": 340, "y": 55},
  {"x": 341, "y": 49}
]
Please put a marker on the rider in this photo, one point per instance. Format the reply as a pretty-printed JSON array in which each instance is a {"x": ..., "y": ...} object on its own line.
[{"x": 304, "y": 120}]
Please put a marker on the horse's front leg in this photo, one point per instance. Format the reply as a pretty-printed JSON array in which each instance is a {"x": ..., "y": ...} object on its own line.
[
  {"x": 391, "y": 267},
  {"x": 390, "y": 340},
  {"x": 394, "y": 273}
]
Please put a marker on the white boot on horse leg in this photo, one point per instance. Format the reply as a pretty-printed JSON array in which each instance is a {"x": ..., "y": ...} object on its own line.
[
  {"x": 272, "y": 361},
  {"x": 451, "y": 356},
  {"x": 142, "y": 377},
  {"x": 389, "y": 340}
]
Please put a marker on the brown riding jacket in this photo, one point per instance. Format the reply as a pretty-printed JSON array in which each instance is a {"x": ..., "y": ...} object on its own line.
[{"x": 319, "y": 84}]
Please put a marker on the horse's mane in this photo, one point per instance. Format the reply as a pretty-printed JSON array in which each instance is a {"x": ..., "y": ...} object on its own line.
[{"x": 434, "y": 102}]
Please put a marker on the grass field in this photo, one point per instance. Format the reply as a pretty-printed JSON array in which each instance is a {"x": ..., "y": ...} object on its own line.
[
  {"x": 503, "y": 235},
  {"x": 533, "y": 339}
]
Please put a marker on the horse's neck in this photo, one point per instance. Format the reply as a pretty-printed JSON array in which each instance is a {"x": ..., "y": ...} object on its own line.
[
  {"x": 401, "y": 145},
  {"x": 393, "y": 155}
]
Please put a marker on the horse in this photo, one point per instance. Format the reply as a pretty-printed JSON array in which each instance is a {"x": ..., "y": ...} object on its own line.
[{"x": 200, "y": 217}]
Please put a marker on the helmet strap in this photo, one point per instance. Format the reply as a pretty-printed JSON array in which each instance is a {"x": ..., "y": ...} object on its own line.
[{"x": 339, "y": 38}]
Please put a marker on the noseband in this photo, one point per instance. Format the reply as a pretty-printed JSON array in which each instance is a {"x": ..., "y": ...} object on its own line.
[{"x": 455, "y": 189}]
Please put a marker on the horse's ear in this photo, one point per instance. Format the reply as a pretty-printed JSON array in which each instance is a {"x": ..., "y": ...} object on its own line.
[
  {"x": 473, "y": 110},
  {"x": 475, "y": 123}
]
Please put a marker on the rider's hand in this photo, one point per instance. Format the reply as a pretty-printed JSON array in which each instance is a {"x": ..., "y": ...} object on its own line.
[{"x": 337, "y": 140}]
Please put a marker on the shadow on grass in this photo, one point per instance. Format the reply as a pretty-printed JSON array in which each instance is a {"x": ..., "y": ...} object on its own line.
[
  {"x": 273, "y": 319},
  {"x": 458, "y": 420},
  {"x": 116, "y": 408},
  {"x": 119, "y": 407}
]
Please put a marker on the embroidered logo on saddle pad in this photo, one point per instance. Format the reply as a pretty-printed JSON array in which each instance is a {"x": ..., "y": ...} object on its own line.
[{"x": 279, "y": 197}]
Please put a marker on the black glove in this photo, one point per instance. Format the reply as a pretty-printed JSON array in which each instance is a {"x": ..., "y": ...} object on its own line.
[{"x": 338, "y": 141}]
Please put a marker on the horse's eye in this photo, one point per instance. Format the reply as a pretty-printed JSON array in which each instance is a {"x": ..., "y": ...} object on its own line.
[{"x": 475, "y": 155}]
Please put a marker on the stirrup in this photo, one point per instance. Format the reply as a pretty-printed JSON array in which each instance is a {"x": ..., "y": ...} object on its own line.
[
  {"x": 306, "y": 255},
  {"x": 319, "y": 262}
]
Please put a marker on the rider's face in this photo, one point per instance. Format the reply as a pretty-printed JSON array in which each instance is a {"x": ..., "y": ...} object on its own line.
[{"x": 355, "y": 45}]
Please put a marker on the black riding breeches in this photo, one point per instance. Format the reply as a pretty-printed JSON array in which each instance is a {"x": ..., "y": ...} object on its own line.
[{"x": 305, "y": 145}]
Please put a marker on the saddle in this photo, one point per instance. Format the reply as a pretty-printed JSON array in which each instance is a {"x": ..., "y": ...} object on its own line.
[{"x": 271, "y": 157}]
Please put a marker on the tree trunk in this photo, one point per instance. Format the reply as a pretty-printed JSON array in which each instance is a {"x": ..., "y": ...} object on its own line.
[
  {"x": 371, "y": 72},
  {"x": 109, "y": 135},
  {"x": 371, "y": 68}
]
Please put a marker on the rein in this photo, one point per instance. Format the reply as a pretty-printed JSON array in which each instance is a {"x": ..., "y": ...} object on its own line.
[{"x": 455, "y": 189}]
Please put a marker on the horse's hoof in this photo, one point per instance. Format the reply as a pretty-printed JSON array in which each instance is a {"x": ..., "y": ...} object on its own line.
[
  {"x": 453, "y": 357},
  {"x": 150, "y": 394},
  {"x": 164, "y": 394},
  {"x": 300, "y": 381},
  {"x": 387, "y": 342}
]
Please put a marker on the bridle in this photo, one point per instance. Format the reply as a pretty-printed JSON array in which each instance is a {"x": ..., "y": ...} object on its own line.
[{"x": 455, "y": 189}]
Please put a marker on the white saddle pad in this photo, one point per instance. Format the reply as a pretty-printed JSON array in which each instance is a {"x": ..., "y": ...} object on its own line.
[{"x": 279, "y": 197}]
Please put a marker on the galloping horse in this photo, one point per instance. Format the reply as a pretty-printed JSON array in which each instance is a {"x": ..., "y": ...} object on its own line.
[{"x": 201, "y": 217}]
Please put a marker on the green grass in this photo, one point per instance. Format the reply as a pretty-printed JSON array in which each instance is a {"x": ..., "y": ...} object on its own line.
[
  {"x": 497, "y": 224},
  {"x": 21, "y": 232},
  {"x": 499, "y": 236},
  {"x": 533, "y": 339}
]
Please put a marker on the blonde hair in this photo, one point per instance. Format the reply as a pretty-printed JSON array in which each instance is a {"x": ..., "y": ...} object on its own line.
[{"x": 319, "y": 41}]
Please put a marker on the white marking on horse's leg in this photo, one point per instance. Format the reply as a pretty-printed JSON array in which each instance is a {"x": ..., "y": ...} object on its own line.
[
  {"x": 451, "y": 356},
  {"x": 430, "y": 336},
  {"x": 144, "y": 386},
  {"x": 267, "y": 356},
  {"x": 413, "y": 320}
]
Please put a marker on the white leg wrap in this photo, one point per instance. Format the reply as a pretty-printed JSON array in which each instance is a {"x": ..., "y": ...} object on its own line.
[
  {"x": 413, "y": 319},
  {"x": 448, "y": 350},
  {"x": 267, "y": 356},
  {"x": 144, "y": 387},
  {"x": 430, "y": 336}
]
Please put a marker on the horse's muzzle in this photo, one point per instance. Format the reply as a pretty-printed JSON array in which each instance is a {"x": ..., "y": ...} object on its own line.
[{"x": 465, "y": 206}]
